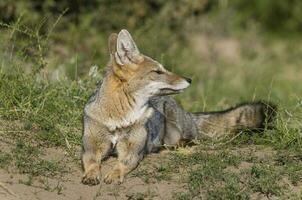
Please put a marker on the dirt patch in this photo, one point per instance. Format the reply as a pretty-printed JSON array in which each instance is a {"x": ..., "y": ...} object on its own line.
[{"x": 22, "y": 186}]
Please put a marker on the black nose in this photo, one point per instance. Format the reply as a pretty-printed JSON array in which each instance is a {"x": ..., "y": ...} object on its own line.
[{"x": 188, "y": 79}]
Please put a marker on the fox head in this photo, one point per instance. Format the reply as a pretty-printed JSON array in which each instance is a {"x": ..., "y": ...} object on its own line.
[{"x": 139, "y": 73}]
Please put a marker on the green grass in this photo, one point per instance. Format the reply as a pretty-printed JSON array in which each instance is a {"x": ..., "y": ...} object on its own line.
[
  {"x": 5, "y": 159},
  {"x": 219, "y": 176},
  {"x": 26, "y": 158},
  {"x": 50, "y": 111}
]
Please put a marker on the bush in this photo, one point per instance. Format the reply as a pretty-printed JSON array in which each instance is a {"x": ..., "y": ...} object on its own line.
[{"x": 278, "y": 16}]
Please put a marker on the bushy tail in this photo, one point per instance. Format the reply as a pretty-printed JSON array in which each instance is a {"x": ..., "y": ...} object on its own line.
[{"x": 246, "y": 116}]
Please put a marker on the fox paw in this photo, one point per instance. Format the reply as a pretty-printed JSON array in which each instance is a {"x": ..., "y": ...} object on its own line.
[
  {"x": 114, "y": 176},
  {"x": 91, "y": 178}
]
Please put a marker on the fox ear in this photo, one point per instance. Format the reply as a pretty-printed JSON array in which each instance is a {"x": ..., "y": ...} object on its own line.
[{"x": 126, "y": 49}]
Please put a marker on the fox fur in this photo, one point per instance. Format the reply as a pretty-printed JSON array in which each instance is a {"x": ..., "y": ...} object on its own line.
[{"x": 130, "y": 113}]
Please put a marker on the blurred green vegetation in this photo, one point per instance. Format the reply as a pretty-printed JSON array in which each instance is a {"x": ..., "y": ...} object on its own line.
[
  {"x": 107, "y": 15},
  {"x": 76, "y": 31}
]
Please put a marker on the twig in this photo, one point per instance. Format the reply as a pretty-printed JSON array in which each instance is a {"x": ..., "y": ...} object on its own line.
[
  {"x": 56, "y": 22},
  {"x": 230, "y": 140},
  {"x": 7, "y": 190}
]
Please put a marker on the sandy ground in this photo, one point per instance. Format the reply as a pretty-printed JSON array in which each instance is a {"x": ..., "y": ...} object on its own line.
[
  {"x": 14, "y": 186},
  {"x": 73, "y": 189}
]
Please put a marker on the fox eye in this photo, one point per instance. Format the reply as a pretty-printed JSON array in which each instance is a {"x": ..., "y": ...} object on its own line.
[{"x": 158, "y": 71}]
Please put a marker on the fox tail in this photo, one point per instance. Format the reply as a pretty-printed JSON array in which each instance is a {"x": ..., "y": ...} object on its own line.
[{"x": 246, "y": 116}]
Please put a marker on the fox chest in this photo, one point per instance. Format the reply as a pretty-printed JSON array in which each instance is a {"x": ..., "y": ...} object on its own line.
[
  {"x": 114, "y": 139},
  {"x": 121, "y": 135}
]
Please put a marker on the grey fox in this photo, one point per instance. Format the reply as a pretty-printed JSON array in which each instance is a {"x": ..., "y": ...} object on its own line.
[{"x": 131, "y": 114}]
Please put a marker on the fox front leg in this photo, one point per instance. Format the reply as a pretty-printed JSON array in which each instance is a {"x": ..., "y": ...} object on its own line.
[
  {"x": 130, "y": 152},
  {"x": 94, "y": 152}
]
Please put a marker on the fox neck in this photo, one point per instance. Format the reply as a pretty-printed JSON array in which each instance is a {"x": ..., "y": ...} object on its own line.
[{"x": 121, "y": 108}]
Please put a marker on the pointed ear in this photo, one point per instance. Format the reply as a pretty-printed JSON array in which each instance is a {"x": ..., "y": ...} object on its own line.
[{"x": 126, "y": 49}]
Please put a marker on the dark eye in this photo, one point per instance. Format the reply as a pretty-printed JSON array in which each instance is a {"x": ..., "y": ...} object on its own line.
[{"x": 158, "y": 71}]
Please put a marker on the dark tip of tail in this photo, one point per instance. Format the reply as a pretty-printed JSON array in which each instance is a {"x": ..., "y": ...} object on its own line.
[{"x": 267, "y": 112}]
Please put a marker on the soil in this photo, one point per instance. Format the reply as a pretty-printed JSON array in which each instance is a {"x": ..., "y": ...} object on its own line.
[{"x": 68, "y": 186}]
